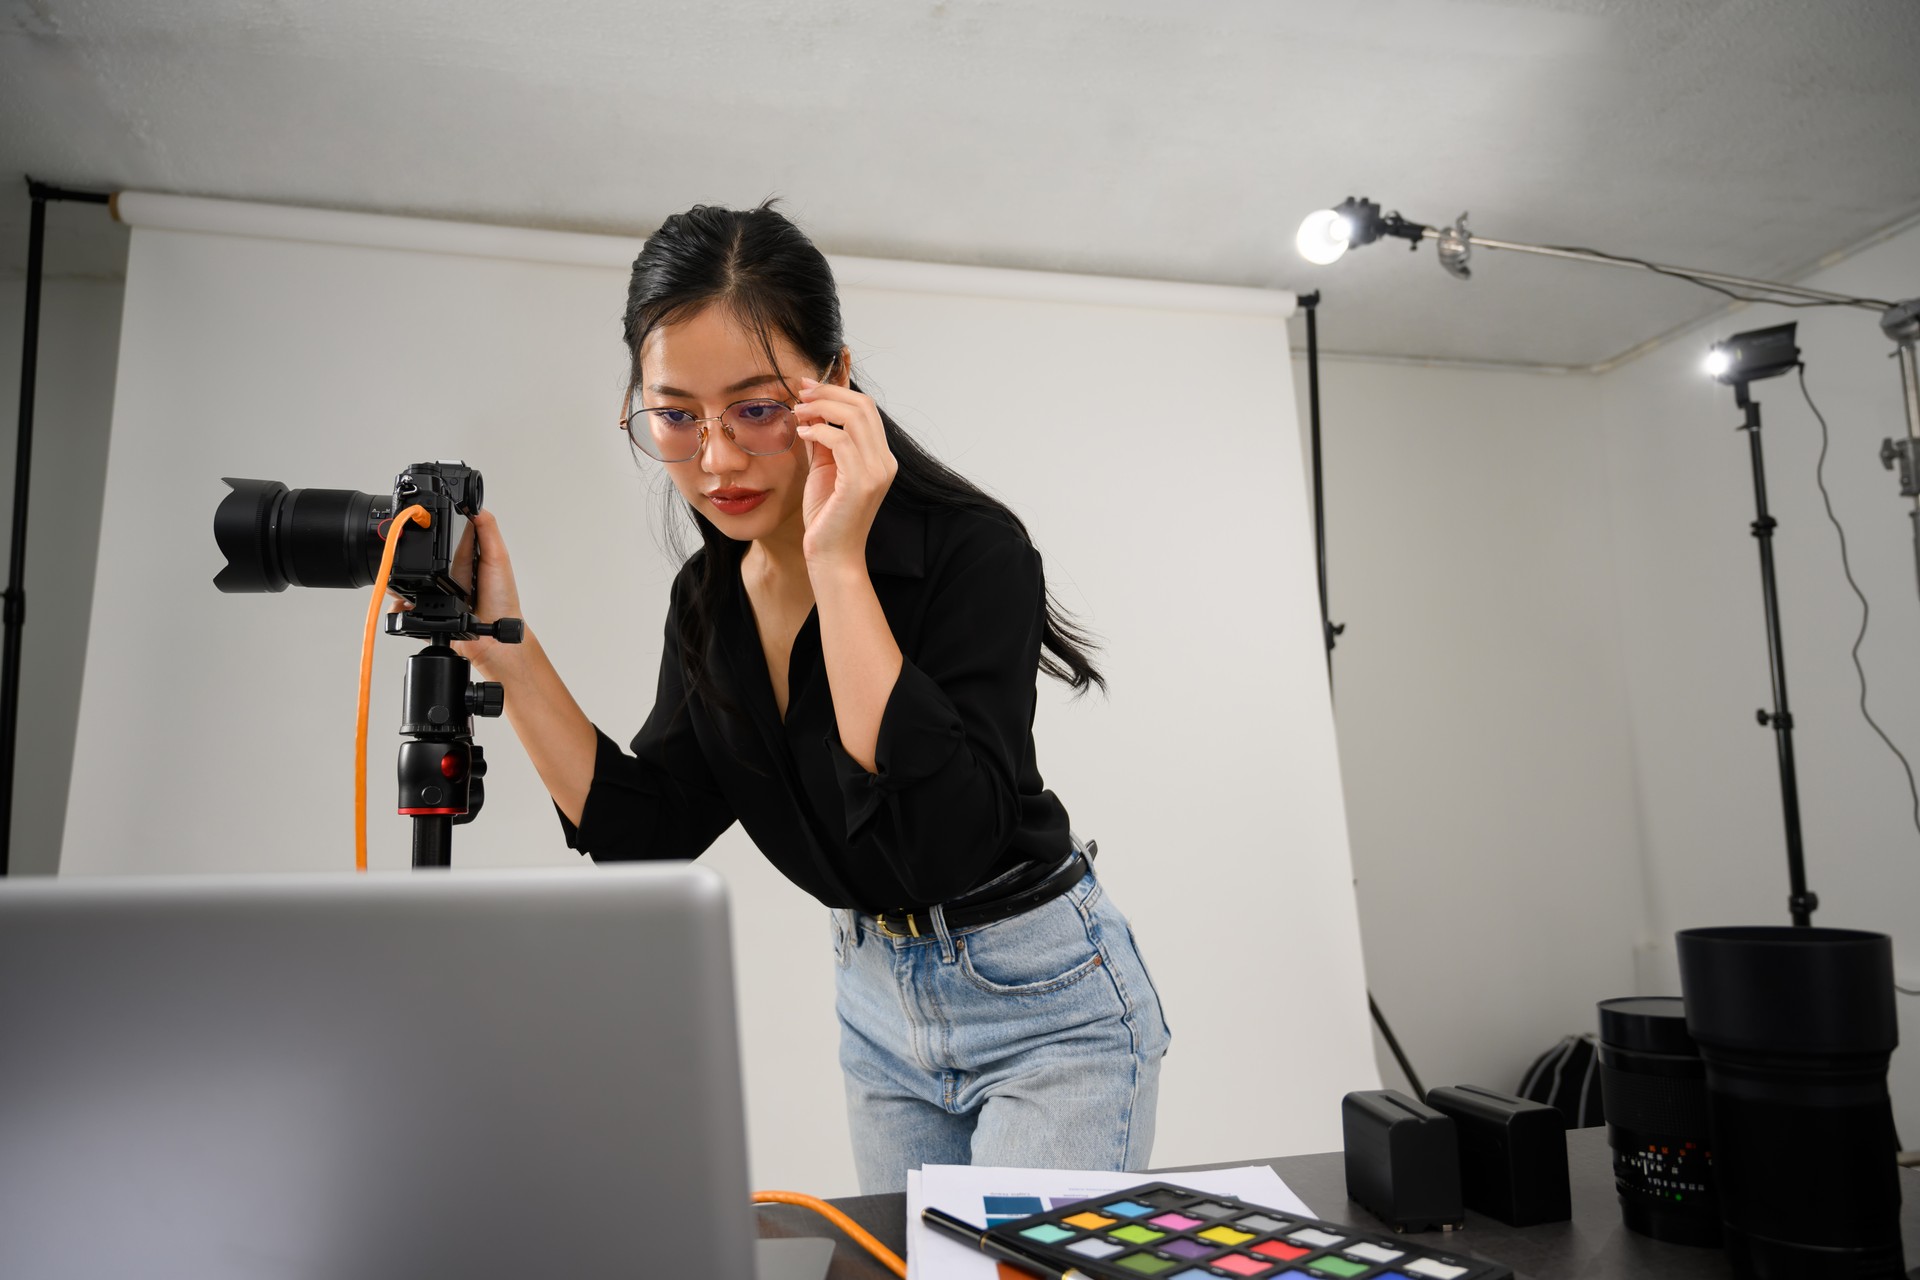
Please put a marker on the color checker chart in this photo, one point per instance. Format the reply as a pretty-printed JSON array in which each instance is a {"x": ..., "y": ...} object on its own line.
[{"x": 1169, "y": 1231}]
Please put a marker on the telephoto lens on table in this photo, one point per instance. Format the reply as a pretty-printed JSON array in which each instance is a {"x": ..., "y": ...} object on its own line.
[{"x": 1795, "y": 1026}]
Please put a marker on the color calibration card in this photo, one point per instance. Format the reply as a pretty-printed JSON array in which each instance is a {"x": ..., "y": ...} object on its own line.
[{"x": 1173, "y": 1232}]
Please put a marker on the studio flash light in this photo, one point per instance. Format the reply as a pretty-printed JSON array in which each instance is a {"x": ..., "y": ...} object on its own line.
[
  {"x": 1326, "y": 234},
  {"x": 1753, "y": 355},
  {"x": 1323, "y": 236}
]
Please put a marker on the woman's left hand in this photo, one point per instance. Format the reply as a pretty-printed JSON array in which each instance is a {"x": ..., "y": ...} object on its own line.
[{"x": 849, "y": 469}]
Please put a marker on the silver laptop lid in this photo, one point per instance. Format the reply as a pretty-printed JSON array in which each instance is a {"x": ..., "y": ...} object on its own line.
[{"x": 440, "y": 1074}]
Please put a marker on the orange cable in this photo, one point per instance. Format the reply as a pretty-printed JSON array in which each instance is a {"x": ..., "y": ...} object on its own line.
[
  {"x": 861, "y": 1236},
  {"x": 417, "y": 514}
]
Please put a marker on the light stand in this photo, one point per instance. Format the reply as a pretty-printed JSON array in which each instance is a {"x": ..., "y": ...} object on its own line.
[
  {"x": 1740, "y": 360},
  {"x": 1901, "y": 324}
]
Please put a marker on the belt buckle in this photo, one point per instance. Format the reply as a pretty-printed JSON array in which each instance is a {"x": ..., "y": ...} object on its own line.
[{"x": 880, "y": 918}]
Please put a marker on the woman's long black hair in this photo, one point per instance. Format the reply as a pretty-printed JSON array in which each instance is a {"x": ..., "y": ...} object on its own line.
[{"x": 760, "y": 265}]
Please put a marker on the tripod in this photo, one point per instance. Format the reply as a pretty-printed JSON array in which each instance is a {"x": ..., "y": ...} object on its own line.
[{"x": 441, "y": 768}]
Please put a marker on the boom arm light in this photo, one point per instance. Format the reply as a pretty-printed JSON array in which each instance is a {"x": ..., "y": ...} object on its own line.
[{"x": 1325, "y": 236}]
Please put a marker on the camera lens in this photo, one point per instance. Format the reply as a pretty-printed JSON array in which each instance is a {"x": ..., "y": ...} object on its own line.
[
  {"x": 1796, "y": 1027},
  {"x": 1655, "y": 1091},
  {"x": 274, "y": 537}
]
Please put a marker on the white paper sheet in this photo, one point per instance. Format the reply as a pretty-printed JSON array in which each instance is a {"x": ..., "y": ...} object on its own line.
[{"x": 963, "y": 1191}]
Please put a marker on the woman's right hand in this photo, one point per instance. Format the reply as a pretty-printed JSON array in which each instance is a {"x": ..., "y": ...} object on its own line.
[{"x": 499, "y": 594}]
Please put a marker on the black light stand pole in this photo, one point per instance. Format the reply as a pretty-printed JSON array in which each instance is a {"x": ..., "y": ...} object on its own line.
[
  {"x": 14, "y": 603},
  {"x": 1801, "y": 902},
  {"x": 1310, "y": 303}
]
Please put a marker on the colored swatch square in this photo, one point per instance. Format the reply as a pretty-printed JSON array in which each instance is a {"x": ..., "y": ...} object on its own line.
[
  {"x": 1372, "y": 1252},
  {"x": 1174, "y": 1221},
  {"x": 1435, "y": 1270},
  {"x": 1134, "y": 1233},
  {"x": 1094, "y": 1248},
  {"x": 1147, "y": 1264},
  {"x": 1188, "y": 1248},
  {"x": 1226, "y": 1235},
  {"x": 1318, "y": 1239},
  {"x": 1197, "y": 1274},
  {"x": 1088, "y": 1221},
  {"x": 1343, "y": 1267},
  {"x": 1261, "y": 1222},
  {"x": 1240, "y": 1264},
  {"x": 1128, "y": 1209},
  {"x": 1281, "y": 1249},
  {"x": 1014, "y": 1206},
  {"x": 1047, "y": 1233},
  {"x": 1208, "y": 1209}
]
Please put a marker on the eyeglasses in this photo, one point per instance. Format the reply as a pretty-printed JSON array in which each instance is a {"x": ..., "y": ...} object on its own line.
[{"x": 759, "y": 427}]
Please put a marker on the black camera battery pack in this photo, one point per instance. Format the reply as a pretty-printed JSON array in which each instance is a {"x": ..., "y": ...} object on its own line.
[
  {"x": 1403, "y": 1160},
  {"x": 1513, "y": 1154}
]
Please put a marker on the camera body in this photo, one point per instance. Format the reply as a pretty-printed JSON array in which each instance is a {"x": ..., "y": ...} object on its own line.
[
  {"x": 275, "y": 537},
  {"x": 443, "y": 558}
]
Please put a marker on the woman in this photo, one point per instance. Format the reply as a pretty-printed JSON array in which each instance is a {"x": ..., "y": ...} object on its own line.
[{"x": 849, "y": 671}]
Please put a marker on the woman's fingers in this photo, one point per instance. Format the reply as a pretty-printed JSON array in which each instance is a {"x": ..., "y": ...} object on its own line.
[
  {"x": 852, "y": 419},
  {"x": 492, "y": 545}
]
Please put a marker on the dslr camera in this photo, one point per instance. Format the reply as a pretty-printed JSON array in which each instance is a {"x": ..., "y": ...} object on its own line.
[{"x": 275, "y": 537}]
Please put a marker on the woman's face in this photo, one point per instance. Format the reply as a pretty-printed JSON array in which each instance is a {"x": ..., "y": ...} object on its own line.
[{"x": 702, "y": 365}]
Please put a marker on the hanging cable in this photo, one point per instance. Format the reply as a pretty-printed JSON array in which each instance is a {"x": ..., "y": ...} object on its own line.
[
  {"x": 1846, "y": 567},
  {"x": 1690, "y": 278}
]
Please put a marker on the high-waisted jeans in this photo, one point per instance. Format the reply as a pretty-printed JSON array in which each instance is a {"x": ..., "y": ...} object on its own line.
[{"x": 1034, "y": 1041}]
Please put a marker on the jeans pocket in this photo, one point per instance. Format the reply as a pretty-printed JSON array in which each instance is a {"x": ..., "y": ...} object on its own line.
[
  {"x": 1031, "y": 954},
  {"x": 1152, "y": 986}
]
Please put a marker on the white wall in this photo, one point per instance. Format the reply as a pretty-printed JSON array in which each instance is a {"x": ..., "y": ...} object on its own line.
[
  {"x": 1695, "y": 646},
  {"x": 73, "y": 403},
  {"x": 1481, "y": 706},
  {"x": 1210, "y": 779}
]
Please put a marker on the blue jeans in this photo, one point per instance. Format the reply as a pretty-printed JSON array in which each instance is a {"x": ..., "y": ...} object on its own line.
[{"x": 1034, "y": 1041}]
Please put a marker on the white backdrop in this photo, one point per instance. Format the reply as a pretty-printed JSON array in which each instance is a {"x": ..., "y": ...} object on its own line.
[{"x": 1145, "y": 431}]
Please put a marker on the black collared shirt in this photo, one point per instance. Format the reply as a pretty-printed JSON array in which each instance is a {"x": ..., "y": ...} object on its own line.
[{"x": 956, "y": 800}]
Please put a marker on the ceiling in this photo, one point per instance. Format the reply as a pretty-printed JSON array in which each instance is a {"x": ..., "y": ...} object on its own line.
[{"x": 1121, "y": 137}]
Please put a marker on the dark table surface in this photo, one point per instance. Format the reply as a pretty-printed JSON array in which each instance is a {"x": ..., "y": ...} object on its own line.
[{"x": 1593, "y": 1245}]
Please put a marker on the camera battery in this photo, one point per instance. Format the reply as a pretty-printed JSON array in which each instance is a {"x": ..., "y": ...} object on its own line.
[
  {"x": 1403, "y": 1160},
  {"x": 1513, "y": 1154}
]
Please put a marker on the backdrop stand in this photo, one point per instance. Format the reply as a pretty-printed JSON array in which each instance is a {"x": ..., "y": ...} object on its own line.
[
  {"x": 1330, "y": 631},
  {"x": 14, "y": 603}
]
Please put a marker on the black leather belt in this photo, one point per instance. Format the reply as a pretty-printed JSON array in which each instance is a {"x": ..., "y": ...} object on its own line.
[{"x": 919, "y": 924}]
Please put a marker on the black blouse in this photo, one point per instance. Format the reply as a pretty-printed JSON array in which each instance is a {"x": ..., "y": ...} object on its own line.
[{"x": 957, "y": 799}]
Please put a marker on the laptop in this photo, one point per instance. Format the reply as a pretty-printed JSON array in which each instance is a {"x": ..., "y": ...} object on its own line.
[{"x": 469, "y": 1073}]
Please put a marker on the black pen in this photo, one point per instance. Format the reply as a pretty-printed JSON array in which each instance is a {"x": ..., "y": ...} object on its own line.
[{"x": 960, "y": 1229}]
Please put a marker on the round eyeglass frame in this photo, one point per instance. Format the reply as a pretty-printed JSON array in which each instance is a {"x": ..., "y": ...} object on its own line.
[{"x": 700, "y": 443}]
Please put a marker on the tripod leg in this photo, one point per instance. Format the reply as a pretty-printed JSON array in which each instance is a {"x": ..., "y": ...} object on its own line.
[{"x": 432, "y": 841}]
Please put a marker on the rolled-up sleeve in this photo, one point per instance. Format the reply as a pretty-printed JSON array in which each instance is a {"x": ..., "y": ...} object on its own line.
[
  {"x": 660, "y": 802},
  {"x": 942, "y": 803}
]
